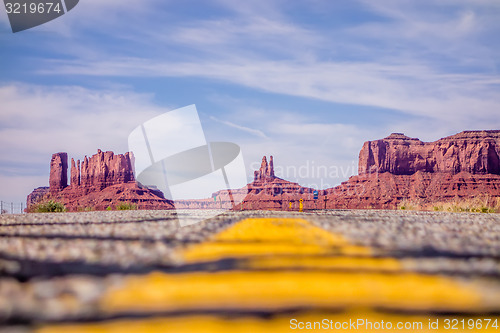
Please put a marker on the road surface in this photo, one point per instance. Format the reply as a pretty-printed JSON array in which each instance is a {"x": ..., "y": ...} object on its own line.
[{"x": 250, "y": 271}]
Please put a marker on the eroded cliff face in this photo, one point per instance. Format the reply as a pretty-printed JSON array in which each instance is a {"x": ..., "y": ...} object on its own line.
[
  {"x": 475, "y": 152},
  {"x": 58, "y": 178},
  {"x": 266, "y": 171},
  {"x": 462, "y": 166},
  {"x": 387, "y": 191},
  {"x": 103, "y": 169},
  {"x": 266, "y": 191},
  {"x": 397, "y": 168},
  {"x": 105, "y": 179},
  {"x": 391, "y": 170}
]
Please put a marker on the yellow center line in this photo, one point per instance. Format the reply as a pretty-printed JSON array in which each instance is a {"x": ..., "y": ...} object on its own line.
[
  {"x": 283, "y": 263},
  {"x": 272, "y": 243},
  {"x": 288, "y": 289},
  {"x": 271, "y": 237},
  {"x": 369, "y": 322}
]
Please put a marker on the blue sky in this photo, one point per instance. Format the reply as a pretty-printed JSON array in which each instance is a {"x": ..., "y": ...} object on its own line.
[{"x": 305, "y": 81}]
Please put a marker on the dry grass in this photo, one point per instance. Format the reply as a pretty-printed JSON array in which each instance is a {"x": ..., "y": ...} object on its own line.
[
  {"x": 483, "y": 204},
  {"x": 49, "y": 206}
]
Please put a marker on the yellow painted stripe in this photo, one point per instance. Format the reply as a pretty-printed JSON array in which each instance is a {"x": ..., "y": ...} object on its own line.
[
  {"x": 285, "y": 289},
  {"x": 265, "y": 241},
  {"x": 281, "y": 324},
  {"x": 279, "y": 246},
  {"x": 271, "y": 237}
]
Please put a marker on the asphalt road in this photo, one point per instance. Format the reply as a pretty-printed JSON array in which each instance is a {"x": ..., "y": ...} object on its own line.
[{"x": 138, "y": 271}]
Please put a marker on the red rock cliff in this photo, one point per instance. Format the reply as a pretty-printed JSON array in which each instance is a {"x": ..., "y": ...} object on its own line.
[
  {"x": 265, "y": 192},
  {"x": 101, "y": 181},
  {"x": 266, "y": 171},
  {"x": 102, "y": 170},
  {"x": 58, "y": 178},
  {"x": 475, "y": 152},
  {"x": 462, "y": 166}
]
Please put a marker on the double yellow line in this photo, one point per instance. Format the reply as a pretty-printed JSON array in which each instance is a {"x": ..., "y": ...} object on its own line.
[{"x": 280, "y": 265}]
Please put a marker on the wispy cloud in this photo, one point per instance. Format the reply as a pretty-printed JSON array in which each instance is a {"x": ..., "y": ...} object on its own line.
[
  {"x": 423, "y": 59},
  {"x": 38, "y": 121},
  {"x": 252, "y": 131},
  {"x": 435, "y": 63},
  {"x": 415, "y": 89}
]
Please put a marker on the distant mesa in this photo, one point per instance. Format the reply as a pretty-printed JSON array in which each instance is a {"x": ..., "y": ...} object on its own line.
[
  {"x": 393, "y": 169},
  {"x": 475, "y": 152},
  {"x": 462, "y": 166},
  {"x": 266, "y": 191}
]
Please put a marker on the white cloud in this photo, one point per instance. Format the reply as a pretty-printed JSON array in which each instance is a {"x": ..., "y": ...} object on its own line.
[
  {"x": 434, "y": 61},
  {"x": 426, "y": 59},
  {"x": 252, "y": 131},
  {"x": 302, "y": 147},
  {"x": 38, "y": 121},
  {"x": 414, "y": 89}
]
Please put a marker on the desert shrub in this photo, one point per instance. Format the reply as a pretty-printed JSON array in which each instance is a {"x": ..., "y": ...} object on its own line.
[
  {"x": 497, "y": 206},
  {"x": 409, "y": 205},
  {"x": 50, "y": 206},
  {"x": 475, "y": 205},
  {"x": 480, "y": 204},
  {"x": 126, "y": 206},
  {"x": 109, "y": 208}
]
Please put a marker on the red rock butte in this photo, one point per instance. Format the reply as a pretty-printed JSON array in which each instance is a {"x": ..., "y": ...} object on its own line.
[
  {"x": 397, "y": 168},
  {"x": 266, "y": 191},
  {"x": 101, "y": 181},
  {"x": 393, "y": 169}
]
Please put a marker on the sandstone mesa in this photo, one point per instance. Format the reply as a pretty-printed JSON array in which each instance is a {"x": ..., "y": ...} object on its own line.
[{"x": 462, "y": 166}]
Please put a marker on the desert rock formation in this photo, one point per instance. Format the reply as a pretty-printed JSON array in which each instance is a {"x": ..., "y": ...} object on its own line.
[
  {"x": 391, "y": 170},
  {"x": 58, "y": 178},
  {"x": 462, "y": 166},
  {"x": 103, "y": 180},
  {"x": 266, "y": 191},
  {"x": 475, "y": 152}
]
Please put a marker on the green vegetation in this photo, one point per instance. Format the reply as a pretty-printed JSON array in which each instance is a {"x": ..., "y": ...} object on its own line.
[
  {"x": 126, "y": 206},
  {"x": 50, "y": 206},
  {"x": 123, "y": 206}
]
